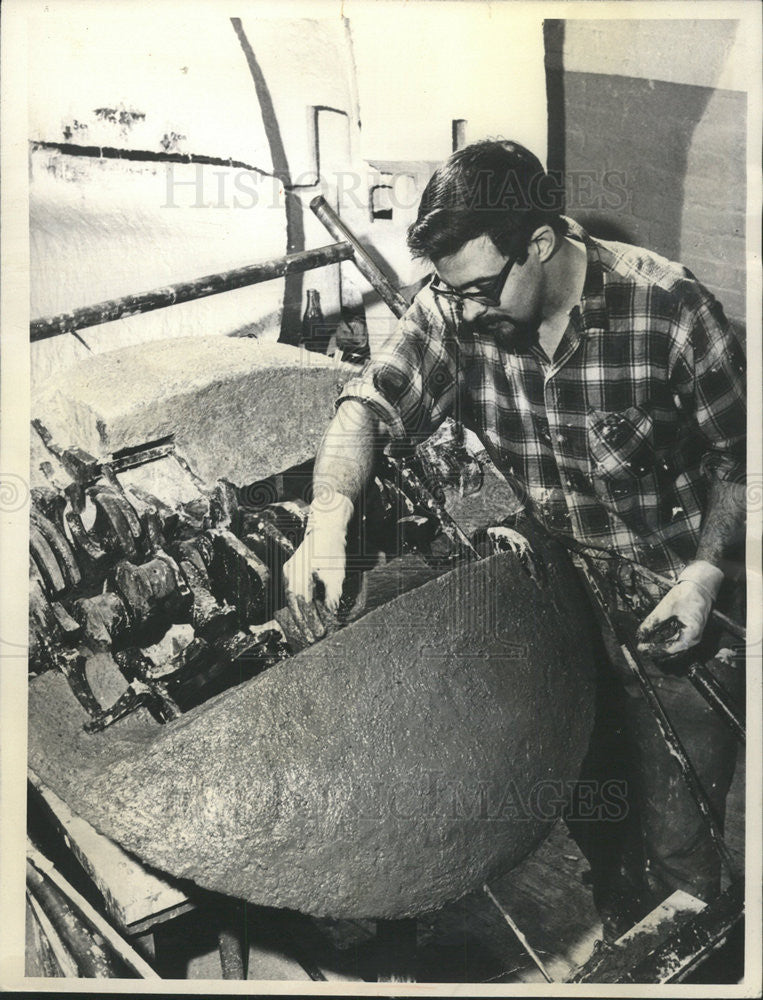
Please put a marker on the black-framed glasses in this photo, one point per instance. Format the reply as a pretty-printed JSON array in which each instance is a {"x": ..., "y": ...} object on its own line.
[{"x": 488, "y": 294}]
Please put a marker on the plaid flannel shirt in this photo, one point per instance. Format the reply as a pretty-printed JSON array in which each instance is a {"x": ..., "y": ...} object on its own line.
[{"x": 616, "y": 438}]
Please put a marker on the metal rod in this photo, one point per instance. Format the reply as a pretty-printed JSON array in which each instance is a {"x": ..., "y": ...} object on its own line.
[
  {"x": 211, "y": 284},
  {"x": 666, "y": 728},
  {"x": 717, "y": 698},
  {"x": 363, "y": 261},
  {"x": 677, "y": 750},
  {"x": 91, "y": 959},
  {"x": 583, "y": 547},
  {"x": 231, "y": 952},
  {"x": 449, "y": 523},
  {"x": 520, "y": 936}
]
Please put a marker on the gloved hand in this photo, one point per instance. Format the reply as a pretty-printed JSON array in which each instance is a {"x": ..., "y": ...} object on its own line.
[
  {"x": 678, "y": 621},
  {"x": 321, "y": 556}
]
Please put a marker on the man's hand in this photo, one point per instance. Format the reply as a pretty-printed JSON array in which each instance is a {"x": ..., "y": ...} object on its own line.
[
  {"x": 678, "y": 621},
  {"x": 343, "y": 468},
  {"x": 321, "y": 556}
]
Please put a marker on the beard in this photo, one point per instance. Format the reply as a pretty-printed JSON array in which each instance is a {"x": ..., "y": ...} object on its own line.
[{"x": 505, "y": 329}]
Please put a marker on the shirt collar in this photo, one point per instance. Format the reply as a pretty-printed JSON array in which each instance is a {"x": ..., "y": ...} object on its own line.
[{"x": 591, "y": 315}]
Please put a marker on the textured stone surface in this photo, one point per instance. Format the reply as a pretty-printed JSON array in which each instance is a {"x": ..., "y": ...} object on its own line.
[
  {"x": 390, "y": 768},
  {"x": 239, "y": 408}
]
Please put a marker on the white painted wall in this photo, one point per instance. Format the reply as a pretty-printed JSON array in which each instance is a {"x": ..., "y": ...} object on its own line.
[
  {"x": 420, "y": 65},
  {"x": 176, "y": 78},
  {"x": 100, "y": 229},
  {"x": 106, "y": 228},
  {"x": 702, "y": 53}
]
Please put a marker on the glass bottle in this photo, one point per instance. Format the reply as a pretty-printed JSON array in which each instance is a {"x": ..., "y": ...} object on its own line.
[{"x": 314, "y": 336}]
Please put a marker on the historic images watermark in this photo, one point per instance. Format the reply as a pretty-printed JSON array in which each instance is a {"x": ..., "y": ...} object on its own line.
[
  {"x": 198, "y": 185},
  {"x": 434, "y": 794},
  {"x": 433, "y": 798}
]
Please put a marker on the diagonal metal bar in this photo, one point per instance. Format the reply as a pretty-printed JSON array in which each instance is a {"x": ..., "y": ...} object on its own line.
[
  {"x": 363, "y": 260},
  {"x": 717, "y": 698},
  {"x": 520, "y": 936},
  {"x": 668, "y": 732}
]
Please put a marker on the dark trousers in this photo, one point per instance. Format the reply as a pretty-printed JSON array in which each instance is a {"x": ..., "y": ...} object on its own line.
[
  {"x": 678, "y": 847},
  {"x": 663, "y": 843}
]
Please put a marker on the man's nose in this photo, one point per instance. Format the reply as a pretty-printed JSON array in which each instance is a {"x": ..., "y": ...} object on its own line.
[{"x": 473, "y": 310}]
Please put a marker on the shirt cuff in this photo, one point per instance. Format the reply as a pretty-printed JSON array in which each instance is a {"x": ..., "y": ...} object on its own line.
[
  {"x": 360, "y": 389},
  {"x": 723, "y": 467}
]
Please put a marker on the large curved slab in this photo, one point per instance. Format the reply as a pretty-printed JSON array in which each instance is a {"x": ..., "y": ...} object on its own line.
[{"x": 392, "y": 767}]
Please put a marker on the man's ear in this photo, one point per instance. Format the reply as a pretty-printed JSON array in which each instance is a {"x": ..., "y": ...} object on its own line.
[{"x": 544, "y": 243}]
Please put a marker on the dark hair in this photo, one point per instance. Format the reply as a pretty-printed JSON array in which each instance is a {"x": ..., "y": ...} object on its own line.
[{"x": 495, "y": 188}]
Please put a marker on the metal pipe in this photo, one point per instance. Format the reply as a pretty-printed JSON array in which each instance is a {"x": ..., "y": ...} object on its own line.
[
  {"x": 667, "y": 730},
  {"x": 717, "y": 698},
  {"x": 363, "y": 261},
  {"x": 58, "y": 961},
  {"x": 199, "y": 288},
  {"x": 91, "y": 959},
  {"x": 677, "y": 750},
  {"x": 231, "y": 954},
  {"x": 38, "y": 865}
]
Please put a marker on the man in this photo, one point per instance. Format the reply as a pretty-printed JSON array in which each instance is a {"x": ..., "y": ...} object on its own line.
[{"x": 607, "y": 386}]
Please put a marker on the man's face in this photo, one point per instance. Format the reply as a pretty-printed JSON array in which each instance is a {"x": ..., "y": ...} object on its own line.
[{"x": 475, "y": 267}]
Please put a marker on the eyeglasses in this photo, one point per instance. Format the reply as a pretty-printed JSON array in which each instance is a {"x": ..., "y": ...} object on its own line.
[{"x": 488, "y": 295}]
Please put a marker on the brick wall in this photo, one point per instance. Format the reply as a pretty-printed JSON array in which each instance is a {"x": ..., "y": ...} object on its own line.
[{"x": 656, "y": 162}]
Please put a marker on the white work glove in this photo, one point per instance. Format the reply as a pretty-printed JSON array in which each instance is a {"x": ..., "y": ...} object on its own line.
[
  {"x": 321, "y": 556},
  {"x": 678, "y": 621}
]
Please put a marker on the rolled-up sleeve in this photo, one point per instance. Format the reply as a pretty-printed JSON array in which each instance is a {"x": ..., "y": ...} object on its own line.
[
  {"x": 711, "y": 377},
  {"x": 411, "y": 383}
]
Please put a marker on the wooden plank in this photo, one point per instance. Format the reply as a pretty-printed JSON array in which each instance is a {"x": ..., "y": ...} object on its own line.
[
  {"x": 674, "y": 907},
  {"x": 135, "y": 897},
  {"x": 668, "y": 943}
]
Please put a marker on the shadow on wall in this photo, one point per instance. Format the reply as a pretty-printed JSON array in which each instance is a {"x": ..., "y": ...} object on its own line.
[
  {"x": 646, "y": 159},
  {"x": 649, "y": 161},
  {"x": 295, "y": 230}
]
